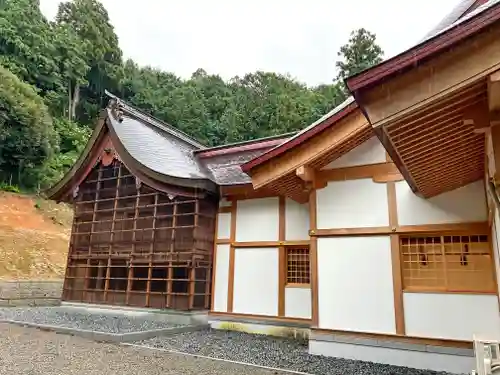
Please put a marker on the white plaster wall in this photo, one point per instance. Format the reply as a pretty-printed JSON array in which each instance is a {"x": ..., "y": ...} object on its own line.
[
  {"x": 369, "y": 152},
  {"x": 352, "y": 204},
  {"x": 451, "y": 316},
  {"x": 225, "y": 203},
  {"x": 257, "y": 220},
  {"x": 298, "y": 303},
  {"x": 296, "y": 221},
  {"x": 224, "y": 225},
  {"x": 256, "y": 281},
  {"x": 221, "y": 278},
  {"x": 466, "y": 204},
  {"x": 355, "y": 290}
]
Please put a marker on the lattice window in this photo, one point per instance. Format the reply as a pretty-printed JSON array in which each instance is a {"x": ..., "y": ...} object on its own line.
[
  {"x": 447, "y": 263},
  {"x": 297, "y": 262}
]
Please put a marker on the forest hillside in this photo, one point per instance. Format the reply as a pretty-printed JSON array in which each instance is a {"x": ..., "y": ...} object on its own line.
[{"x": 53, "y": 75}]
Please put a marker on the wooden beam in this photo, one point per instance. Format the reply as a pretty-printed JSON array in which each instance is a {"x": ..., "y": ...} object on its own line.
[
  {"x": 322, "y": 144},
  {"x": 495, "y": 151},
  {"x": 494, "y": 91},
  {"x": 472, "y": 61},
  {"x": 476, "y": 228},
  {"x": 379, "y": 172},
  {"x": 305, "y": 173}
]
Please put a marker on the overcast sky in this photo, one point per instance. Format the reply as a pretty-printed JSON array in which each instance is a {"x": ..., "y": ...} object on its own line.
[{"x": 233, "y": 37}]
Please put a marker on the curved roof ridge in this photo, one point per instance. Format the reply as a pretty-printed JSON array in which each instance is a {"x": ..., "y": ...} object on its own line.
[
  {"x": 146, "y": 117},
  {"x": 456, "y": 13}
]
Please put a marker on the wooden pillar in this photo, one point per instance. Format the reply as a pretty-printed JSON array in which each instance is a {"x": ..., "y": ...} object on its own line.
[
  {"x": 131, "y": 262},
  {"x": 282, "y": 257},
  {"x": 151, "y": 251},
  {"x": 112, "y": 234},
  {"x": 94, "y": 215},
  {"x": 214, "y": 258},
  {"x": 192, "y": 270},
  {"x": 171, "y": 256},
  {"x": 232, "y": 238},
  {"x": 313, "y": 259},
  {"x": 396, "y": 259}
]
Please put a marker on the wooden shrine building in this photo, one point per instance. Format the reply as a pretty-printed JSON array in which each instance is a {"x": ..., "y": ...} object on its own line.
[{"x": 374, "y": 231}]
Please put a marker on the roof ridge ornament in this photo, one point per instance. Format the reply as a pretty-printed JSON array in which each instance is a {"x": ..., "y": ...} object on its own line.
[{"x": 116, "y": 107}]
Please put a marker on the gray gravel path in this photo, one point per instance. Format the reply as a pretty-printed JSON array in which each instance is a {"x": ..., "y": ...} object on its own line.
[
  {"x": 28, "y": 351},
  {"x": 271, "y": 352},
  {"x": 83, "y": 319}
]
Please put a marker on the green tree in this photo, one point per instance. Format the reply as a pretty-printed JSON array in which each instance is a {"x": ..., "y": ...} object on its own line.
[
  {"x": 26, "y": 47},
  {"x": 90, "y": 21},
  {"x": 27, "y": 136},
  {"x": 360, "y": 53}
]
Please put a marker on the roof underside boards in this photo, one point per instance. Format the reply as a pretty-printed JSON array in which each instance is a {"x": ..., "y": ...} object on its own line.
[{"x": 447, "y": 22}]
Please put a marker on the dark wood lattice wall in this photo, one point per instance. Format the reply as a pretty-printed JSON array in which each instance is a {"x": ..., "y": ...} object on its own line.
[{"x": 132, "y": 245}]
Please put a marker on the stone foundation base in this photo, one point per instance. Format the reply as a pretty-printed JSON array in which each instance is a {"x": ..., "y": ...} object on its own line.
[{"x": 30, "y": 293}]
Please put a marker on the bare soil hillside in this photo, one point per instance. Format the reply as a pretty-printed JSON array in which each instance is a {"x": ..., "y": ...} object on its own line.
[{"x": 34, "y": 235}]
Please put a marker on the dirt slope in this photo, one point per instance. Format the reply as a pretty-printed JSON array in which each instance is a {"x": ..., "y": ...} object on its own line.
[{"x": 34, "y": 235}]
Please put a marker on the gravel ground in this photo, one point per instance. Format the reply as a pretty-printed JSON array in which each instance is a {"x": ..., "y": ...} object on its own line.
[
  {"x": 82, "y": 319},
  {"x": 28, "y": 351},
  {"x": 271, "y": 352}
]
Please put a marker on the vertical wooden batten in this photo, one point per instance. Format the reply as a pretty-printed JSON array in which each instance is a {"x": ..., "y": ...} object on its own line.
[
  {"x": 282, "y": 256},
  {"x": 313, "y": 259},
  {"x": 214, "y": 259},
  {"x": 232, "y": 238},
  {"x": 396, "y": 259}
]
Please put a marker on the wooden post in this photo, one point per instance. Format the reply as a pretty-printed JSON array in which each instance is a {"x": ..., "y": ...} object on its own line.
[
  {"x": 313, "y": 259},
  {"x": 232, "y": 238},
  {"x": 172, "y": 250},
  {"x": 396, "y": 259},
  {"x": 192, "y": 272},
  {"x": 151, "y": 249},
  {"x": 282, "y": 262},
  {"x": 96, "y": 201},
  {"x": 111, "y": 236},
  {"x": 214, "y": 258},
  {"x": 131, "y": 263}
]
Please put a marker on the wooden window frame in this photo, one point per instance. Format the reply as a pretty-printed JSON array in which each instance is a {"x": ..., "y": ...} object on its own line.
[
  {"x": 445, "y": 260},
  {"x": 303, "y": 280}
]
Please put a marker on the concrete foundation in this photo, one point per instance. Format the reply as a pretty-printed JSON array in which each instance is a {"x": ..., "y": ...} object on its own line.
[
  {"x": 425, "y": 357},
  {"x": 109, "y": 337},
  {"x": 165, "y": 315}
]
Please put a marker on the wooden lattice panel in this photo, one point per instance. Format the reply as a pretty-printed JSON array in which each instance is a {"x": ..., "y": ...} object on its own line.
[
  {"x": 297, "y": 270},
  {"x": 447, "y": 263},
  {"x": 134, "y": 245}
]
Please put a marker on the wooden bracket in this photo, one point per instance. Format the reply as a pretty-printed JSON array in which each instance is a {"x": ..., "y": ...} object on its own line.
[{"x": 305, "y": 173}]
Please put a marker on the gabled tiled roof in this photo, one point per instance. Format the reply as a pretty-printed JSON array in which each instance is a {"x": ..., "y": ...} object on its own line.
[
  {"x": 157, "y": 149},
  {"x": 224, "y": 162},
  {"x": 459, "y": 14}
]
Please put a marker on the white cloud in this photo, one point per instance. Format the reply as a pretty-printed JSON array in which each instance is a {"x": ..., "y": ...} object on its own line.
[{"x": 231, "y": 38}]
